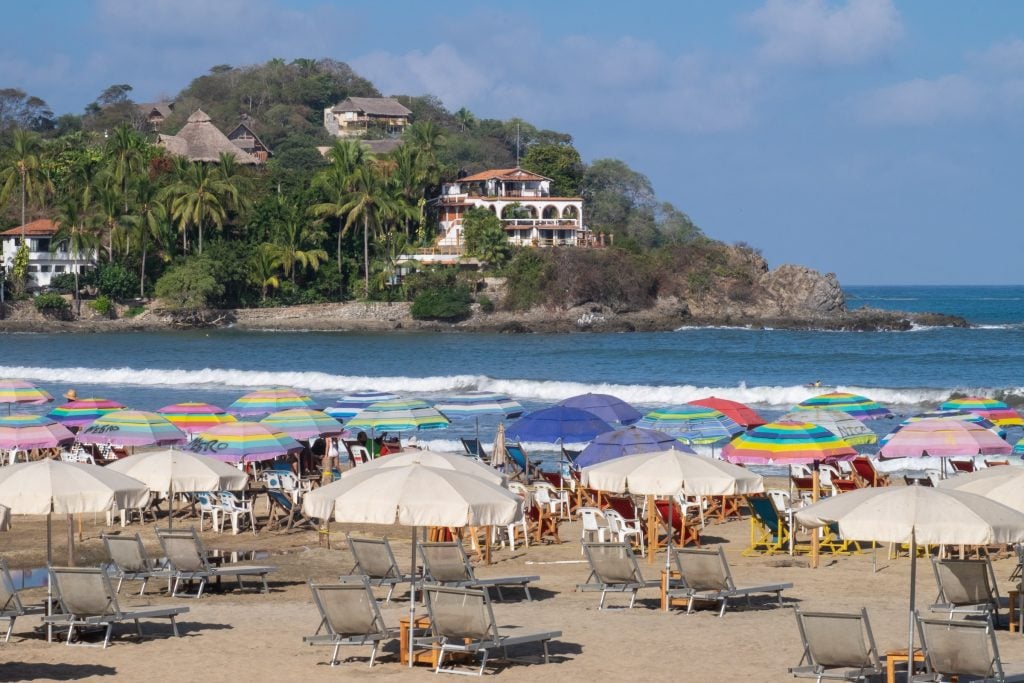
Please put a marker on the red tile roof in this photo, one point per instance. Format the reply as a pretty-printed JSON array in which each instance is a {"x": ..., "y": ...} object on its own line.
[
  {"x": 502, "y": 174},
  {"x": 42, "y": 227}
]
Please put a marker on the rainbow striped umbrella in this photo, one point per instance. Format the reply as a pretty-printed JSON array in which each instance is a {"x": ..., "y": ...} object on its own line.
[
  {"x": 83, "y": 411},
  {"x": 843, "y": 425},
  {"x": 19, "y": 391},
  {"x": 243, "y": 442},
  {"x": 989, "y": 408},
  {"x": 401, "y": 415},
  {"x": 21, "y": 432},
  {"x": 303, "y": 424},
  {"x": 964, "y": 415},
  {"x": 860, "y": 407},
  {"x": 943, "y": 438},
  {"x": 266, "y": 401},
  {"x": 692, "y": 424},
  {"x": 193, "y": 416},
  {"x": 788, "y": 443},
  {"x": 740, "y": 413},
  {"x": 132, "y": 428},
  {"x": 351, "y": 405}
]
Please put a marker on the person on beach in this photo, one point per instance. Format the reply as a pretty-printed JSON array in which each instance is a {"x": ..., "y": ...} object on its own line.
[{"x": 71, "y": 395}]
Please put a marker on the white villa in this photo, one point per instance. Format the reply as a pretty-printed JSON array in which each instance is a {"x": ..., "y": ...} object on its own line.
[{"x": 42, "y": 263}]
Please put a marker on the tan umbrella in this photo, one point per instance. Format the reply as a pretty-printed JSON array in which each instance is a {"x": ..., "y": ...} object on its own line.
[
  {"x": 498, "y": 450},
  {"x": 1002, "y": 484},
  {"x": 443, "y": 461}
]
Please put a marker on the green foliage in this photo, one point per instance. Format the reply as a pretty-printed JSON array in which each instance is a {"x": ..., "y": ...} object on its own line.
[
  {"x": 52, "y": 304},
  {"x": 484, "y": 237},
  {"x": 233, "y": 269},
  {"x": 486, "y": 305},
  {"x": 63, "y": 283},
  {"x": 448, "y": 304},
  {"x": 561, "y": 163},
  {"x": 134, "y": 311},
  {"x": 526, "y": 278},
  {"x": 189, "y": 286},
  {"x": 102, "y": 305},
  {"x": 116, "y": 281},
  {"x": 19, "y": 269}
]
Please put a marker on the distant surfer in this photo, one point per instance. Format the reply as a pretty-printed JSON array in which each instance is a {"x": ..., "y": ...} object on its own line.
[{"x": 815, "y": 383}]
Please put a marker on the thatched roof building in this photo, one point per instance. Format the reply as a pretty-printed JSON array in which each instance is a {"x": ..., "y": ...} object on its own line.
[{"x": 200, "y": 140}]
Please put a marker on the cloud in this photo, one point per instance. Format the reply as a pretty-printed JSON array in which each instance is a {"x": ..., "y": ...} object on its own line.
[{"x": 819, "y": 33}]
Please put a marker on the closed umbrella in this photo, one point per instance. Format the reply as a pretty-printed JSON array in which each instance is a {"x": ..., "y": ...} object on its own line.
[
  {"x": 266, "y": 401},
  {"x": 14, "y": 391},
  {"x": 132, "y": 428},
  {"x": 609, "y": 408},
  {"x": 740, "y": 413},
  {"x": 238, "y": 442},
  {"x": 848, "y": 428},
  {"x": 989, "y": 408},
  {"x": 858, "y": 406},
  {"x": 22, "y": 432},
  {"x": 351, "y": 404},
  {"x": 627, "y": 441},
  {"x": 692, "y": 424},
  {"x": 83, "y": 411}
]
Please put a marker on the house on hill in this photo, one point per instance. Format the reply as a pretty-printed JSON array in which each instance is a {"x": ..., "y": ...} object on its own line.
[
  {"x": 43, "y": 264},
  {"x": 155, "y": 113},
  {"x": 246, "y": 140},
  {"x": 200, "y": 140},
  {"x": 356, "y": 116}
]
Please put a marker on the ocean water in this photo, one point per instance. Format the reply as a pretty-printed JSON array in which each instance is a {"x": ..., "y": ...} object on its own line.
[{"x": 769, "y": 369}]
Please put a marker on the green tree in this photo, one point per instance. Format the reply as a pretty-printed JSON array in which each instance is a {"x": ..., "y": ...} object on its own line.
[
  {"x": 337, "y": 181},
  {"x": 297, "y": 237},
  {"x": 189, "y": 286},
  {"x": 24, "y": 167},
  {"x": 484, "y": 237},
  {"x": 561, "y": 163},
  {"x": 150, "y": 223},
  {"x": 199, "y": 196},
  {"x": 75, "y": 229},
  {"x": 264, "y": 264},
  {"x": 465, "y": 118}
]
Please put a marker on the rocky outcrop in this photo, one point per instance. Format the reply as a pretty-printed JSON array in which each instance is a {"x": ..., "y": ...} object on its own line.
[{"x": 797, "y": 291}]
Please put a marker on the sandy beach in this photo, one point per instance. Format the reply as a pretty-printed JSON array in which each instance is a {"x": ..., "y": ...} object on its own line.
[{"x": 250, "y": 636}]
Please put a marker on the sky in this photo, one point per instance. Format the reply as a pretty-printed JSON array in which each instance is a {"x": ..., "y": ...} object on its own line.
[{"x": 876, "y": 139}]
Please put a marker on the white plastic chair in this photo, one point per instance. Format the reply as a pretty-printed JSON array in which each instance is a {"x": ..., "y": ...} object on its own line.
[
  {"x": 556, "y": 500},
  {"x": 592, "y": 519},
  {"x": 209, "y": 506},
  {"x": 781, "y": 498},
  {"x": 360, "y": 454},
  {"x": 237, "y": 509},
  {"x": 622, "y": 530}
]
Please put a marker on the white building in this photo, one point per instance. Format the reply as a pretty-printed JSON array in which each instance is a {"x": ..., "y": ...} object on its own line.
[{"x": 43, "y": 264}]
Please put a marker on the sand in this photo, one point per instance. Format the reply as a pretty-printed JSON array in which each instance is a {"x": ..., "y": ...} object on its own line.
[{"x": 251, "y": 636}]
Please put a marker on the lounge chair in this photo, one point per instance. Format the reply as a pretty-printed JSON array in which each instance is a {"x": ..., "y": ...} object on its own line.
[
  {"x": 953, "y": 648},
  {"x": 521, "y": 461},
  {"x": 284, "y": 512},
  {"x": 475, "y": 448},
  {"x": 463, "y": 621},
  {"x": 705, "y": 577},
  {"x": 837, "y": 646},
  {"x": 962, "y": 466},
  {"x": 188, "y": 561},
  {"x": 614, "y": 569},
  {"x": 966, "y": 587},
  {"x": 132, "y": 562},
  {"x": 349, "y": 613},
  {"x": 11, "y": 606},
  {"x": 447, "y": 564},
  {"x": 865, "y": 469},
  {"x": 87, "y": 599},
  {"x": 685, "y": 531},
  {"x": 769, "y": 530},
  {"x": 375, "y": 560}
]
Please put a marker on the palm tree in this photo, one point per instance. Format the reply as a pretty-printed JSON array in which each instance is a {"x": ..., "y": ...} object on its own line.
[
  {"x": 409, "y": 179},
  {"x": 199, "y": 195},
  {"x": 124, "y": 148},
  {"x": 151, "y": 220},
  {"x": 368, "y": 202},
  {"x": 427, "y": 138},
  {"x": 264, "y": 262},
  {"x": 25, "y": 168},
  {"x": 75, "y": 226},
  {"x": 108, "y": 206},
  {"x": 465, "y": 118},
  {"x": 296, "y": 235},
  {"x": 335, "y": 182}
]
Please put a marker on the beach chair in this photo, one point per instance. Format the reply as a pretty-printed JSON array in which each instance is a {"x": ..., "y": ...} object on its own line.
[
  {"x": 557, "y": 499},
  {"x": 705, "y": 577},
  {"x": 623, "y": 530},
  {"x": 475, "y": 448},
  {"x": 131, "y": 562},
  {"x": 284, "y": 512},
  {"x": 463, "y": 621},
  {"x": 448, "y": 565},
  {"x": 11, "y": 606},
  {"x": 966, "y": 587},
  {"x": 614, "y": 569},
  {"x": 837, "y": 646},
  {"x": 87, "y": 599},
  {"x": 958, "y": 648},
  {"x": 962, "y": 466},
  {"x": 865, "y": 469},
  {"x": 843, "y": 485},
  {"x": 769, "y": 531},
  {"x": 188, "y": 560},
  {"x": 593, "y": 523},
  {"x": 350, "y": 615},
  {"x": 375, "y": 560},
  {"x": 685, "y": 531},
  {"x": 237, "y": 510},
  {"x": 541, "y": 523},
  {"x": 521, "y": 462}
]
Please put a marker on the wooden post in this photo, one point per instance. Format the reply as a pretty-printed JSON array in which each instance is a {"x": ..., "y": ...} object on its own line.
[
  {"x": 814, "y": 533},
  {"x": 71, "y": 540},
  {"x": 487, "y": 544}
]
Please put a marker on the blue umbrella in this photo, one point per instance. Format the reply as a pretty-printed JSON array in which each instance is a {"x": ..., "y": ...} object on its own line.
[
  {"x": 476, "y": 403},
  {"x": 627, "y": 441},
  {"x": 557, "y": 424},
  {"x": 352, "y": 404},
  {"x": 608, "y": 408}
]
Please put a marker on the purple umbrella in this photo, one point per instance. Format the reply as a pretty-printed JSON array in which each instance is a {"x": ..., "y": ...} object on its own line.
[
  {"x": 608, "y": 408},
  {"x": 557, "y": 424},
  {"x": 627, "y": 441}
]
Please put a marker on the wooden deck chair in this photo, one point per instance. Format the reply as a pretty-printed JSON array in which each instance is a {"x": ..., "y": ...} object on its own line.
[
  {"x": 463, "y": 620},
  {"x": 865, "y": 469},
  {"x": 705, "y": 577},
  {"x": 769, "y": 531},
  {"x": 832, "y": 542},
  {"x": 132, "y": 562},
  {"x": 843, "y": 486},
  {"x": 614, "y": 569},
  {"x": 837, "y": 646},
  {"x": 87, "y": 599},
  {"x": 350, "y": 615},
  {"x": 375, "y": 560},
  {"x": 448, "y": 565},
  {"x": 475, "y": 448},
  {"x": 521, "y": 460},
  {"x": 966, "y": 587},
  {"x": 188, "y": 560},
  {"x": 959, "y": 648},
  {"x": 285, "y": 513},
  {"x": 682, "y": 534},
  {"x": 962, "y": 466},
  {"x": 11, "y": 606}
]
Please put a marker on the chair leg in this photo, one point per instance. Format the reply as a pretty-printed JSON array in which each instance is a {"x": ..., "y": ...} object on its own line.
[
  {"x": 174, "y": 627},
  {"x": 526, "y": 588},
  {"x": 142, "y": 591},
  {"x": 440, "y": 659},
  {"x": 106, "y": 638},
  {"x": 600, "y": 603},
  {"x": 483, "y": 662},
  {"x": 334, "y": 657},
  {"x": 373, "y": 652},
  {"x": 10, "y": 629},
  {"x": 632, "y": 599}
]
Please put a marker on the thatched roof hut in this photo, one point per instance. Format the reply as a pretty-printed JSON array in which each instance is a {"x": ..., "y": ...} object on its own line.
[{"x": 200, "y": 140}]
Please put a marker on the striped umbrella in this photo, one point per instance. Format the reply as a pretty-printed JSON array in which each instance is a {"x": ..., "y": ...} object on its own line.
[
  {"x": 401, "y": 415},
  {"x": 964, "y": 415},
  {"x": 303, "y": 424},
  {"x": 943, "y": 438},
  {"x": 19, "y": 391},
  {"x": 690, "y": 423},
  {"x": 843, "y": 425},
  {"x": 788, "y": 443},
  {"x": 21, "y": 432},
  {"x": 193, "y": 416},
  {"x": 738, "y": 412},
  {"x": 132, "y": 428},
  {"x": 243, "y": 442},
  {"x": 611, "y": 409},
  {"x": 858, "y": 406},
  {"x": 83, "y": 411},
  {"x": 351, "y": 405},
  {"x": 266, "y": 401},
  {"x": 989, "y": 408},
  {"x": 477, "y": 403}
]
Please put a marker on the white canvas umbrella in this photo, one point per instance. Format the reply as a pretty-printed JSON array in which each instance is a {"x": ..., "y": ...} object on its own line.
[
  {"x": 413, "y": 495},
  {"x": 182, "y": 472},
  {"x": 1002, "y": 484},
  {"x": 443, "y": 461},
  {"x": 916, "y": 514}
]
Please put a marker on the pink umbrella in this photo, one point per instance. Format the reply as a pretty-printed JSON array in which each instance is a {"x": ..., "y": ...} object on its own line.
[
  {"x": 942, "y": 437},
  {"x": 195, "y": 417},
  {"x": 22, "y": 432}
]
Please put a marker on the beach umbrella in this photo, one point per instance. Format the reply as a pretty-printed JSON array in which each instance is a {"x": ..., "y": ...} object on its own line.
[
  {"x": 176, "y": 471},
  {"x": 238, "y": 442},
  {"x": 788, "y": 443},
  {"x": 943, "y": 438},
  {"x": 916, "y": 515},
  {"x": 194, "y": 416},
  {"x": 843, "y": 425},
  {"x": 401, "y": 415},
  {"x": 989, "y": 408},
  {"x": 441, "y": 461},
  {"x": 739, "y": 413},
  {"x": 132, "y": 428},
  {"x": 19, "y": 391},
  {"x": 266, "y": 401},
  {"x": 626, "y": 441},
  {"x": 858, "y": 406},
  {"x": 691, "y": 423},
  {"x": 303, "y": 424},
  {"x": 476, "y": 403},
  {"x": 964, "y": 415},
  {"x": 557, "y": 424},
  {"x": 609, "y": 408},
  {"x": 22, "y": 432},
  {"x": 350, "y": 405},
  {"x": 498, "y": 449},
  {"x": 83, "y": 411},
  {"x": 1002, "y": 484}
]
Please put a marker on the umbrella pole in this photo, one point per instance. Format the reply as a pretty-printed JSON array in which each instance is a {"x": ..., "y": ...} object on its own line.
[
  {"x": 814, "y": 499},
  {"x": 412, "y": 597},
  {"x": 913, "y": 587},
  {"x": 652, "y": 530},
  {"x": 49, "y": 579},
  {"x": 71, "y": 540},
  {"x": 170, "y": 506},
  {"x": 671, "y": 532}
]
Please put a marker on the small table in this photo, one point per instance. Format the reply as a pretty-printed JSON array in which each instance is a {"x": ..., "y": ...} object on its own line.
[
  {"x": 1015, "y": 610},
  {"x": 421, "y": 656},
  {"x": 894, "y": 657},
  {"x": 667, "y": 602}
]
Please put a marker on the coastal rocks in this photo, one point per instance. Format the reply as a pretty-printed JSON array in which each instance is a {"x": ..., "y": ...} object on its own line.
[{"x": 797, "y": 291}]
